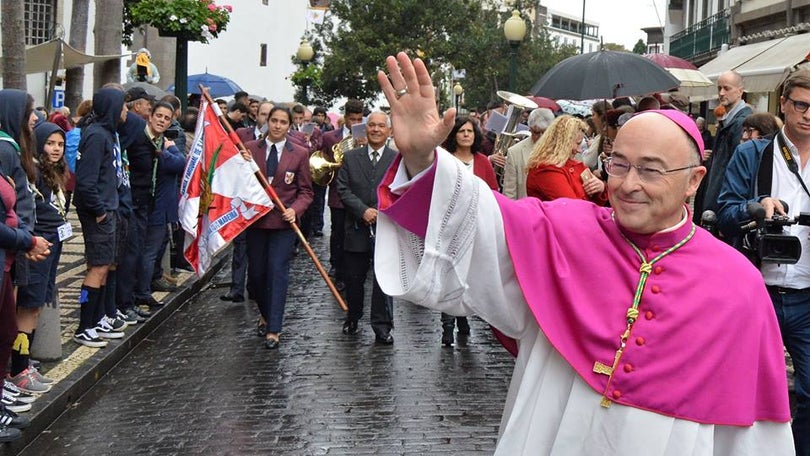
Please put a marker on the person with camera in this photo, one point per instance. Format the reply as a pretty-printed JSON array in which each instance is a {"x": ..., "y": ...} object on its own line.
[
  {"x": 772, "y": 172},
  {"x": 623, "y": 359}
]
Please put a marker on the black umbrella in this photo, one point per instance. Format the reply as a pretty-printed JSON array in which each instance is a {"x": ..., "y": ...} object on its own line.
[{"x": 603, "y": 74}]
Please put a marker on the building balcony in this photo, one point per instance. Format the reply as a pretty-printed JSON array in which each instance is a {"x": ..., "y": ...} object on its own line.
[{"x": 701, "y": 38}]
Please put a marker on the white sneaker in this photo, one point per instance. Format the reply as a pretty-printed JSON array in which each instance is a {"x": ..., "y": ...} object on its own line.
[
  {"x": 106, "y": 331},
  {"x": 89, "y": 338}
]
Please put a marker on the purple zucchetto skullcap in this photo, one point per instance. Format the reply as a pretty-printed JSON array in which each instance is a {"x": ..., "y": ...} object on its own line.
[{"x": 686, "y": 123}]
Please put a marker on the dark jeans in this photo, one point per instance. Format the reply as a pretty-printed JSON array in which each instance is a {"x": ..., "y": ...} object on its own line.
[
  {"x": 793, "y": 313},
  {"x": 336, "y": 240},
  {"x": 382, "y": 306},
  {"x": 152, "y": 249},
  {"x": 269, "y": 253},
  {"x": 129, "y": 265},
  {"x": 239, "y": 263}
]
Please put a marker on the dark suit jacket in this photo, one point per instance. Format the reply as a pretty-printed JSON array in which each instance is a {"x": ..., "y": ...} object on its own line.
[
  {"x": 331, "y": 138},
  {"x": 292, "y": 181},
  {"x": 357, "y": 184}
]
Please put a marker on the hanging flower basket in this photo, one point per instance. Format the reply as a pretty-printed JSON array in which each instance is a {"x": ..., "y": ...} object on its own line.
[{"x": 194, "y": 20}]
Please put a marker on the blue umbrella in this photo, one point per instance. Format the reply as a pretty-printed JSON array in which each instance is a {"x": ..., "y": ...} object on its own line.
[{"x": 218, "y": 86}]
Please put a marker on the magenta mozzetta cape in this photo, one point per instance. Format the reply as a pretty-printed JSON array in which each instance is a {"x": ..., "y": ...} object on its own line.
[{"x": 706, "y": 346}]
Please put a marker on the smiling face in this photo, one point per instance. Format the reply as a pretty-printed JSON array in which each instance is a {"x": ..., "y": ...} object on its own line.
[
  {"x": 648, "y": 207},
  {"x": 377, "y": 129}
]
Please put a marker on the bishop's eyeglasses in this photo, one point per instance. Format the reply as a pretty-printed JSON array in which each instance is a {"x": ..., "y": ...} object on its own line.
[{"x": 620, "y": 167}]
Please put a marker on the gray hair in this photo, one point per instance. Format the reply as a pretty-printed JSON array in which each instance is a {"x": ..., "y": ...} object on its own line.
[{"x": 540, "y": 118}]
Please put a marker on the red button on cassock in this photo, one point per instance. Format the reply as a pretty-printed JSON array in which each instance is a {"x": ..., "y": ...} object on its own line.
[
  {"x": 658, "y": 269},
  {"x": 628, "y": 368},
  {"x": 655, "y": 248},
  {"x": 655, "y": 289},
  {"x": 617, "y": 394},
  {"x": 649, "y": 315},
  {"x": 640, "y": 341}
]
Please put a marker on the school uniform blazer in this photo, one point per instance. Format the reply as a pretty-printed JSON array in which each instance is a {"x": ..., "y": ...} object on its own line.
[
  {"x": 292, "y": 181},
  {"x": 246, "y": 134}
]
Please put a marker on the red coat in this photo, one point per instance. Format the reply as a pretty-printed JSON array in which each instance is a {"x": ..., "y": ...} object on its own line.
[
  {"x": 483, "y": 169},
  {"x": 292, "y": 181},
  {"x": 549, "y": 182}
]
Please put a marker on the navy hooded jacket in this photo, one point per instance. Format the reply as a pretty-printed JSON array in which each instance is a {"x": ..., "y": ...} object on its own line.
[
  {"x": 48, "y": 217},
  {"x": 12, "y": 113},
  {"x": 96, "y": 190}
]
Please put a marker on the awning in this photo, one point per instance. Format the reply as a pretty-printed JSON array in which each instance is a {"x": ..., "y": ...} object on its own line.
[
  {"x": 766, "y": 71},
  {"x": 39, "y": 58},
  {"x": 763, "y": 66}
]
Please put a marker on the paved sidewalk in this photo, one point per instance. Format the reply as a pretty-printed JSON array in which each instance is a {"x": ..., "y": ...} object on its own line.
[{"x": 80, "y": 368}]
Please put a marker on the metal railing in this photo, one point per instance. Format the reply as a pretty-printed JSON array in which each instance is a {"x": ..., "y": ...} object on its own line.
[{"x": 702, "y": 37}]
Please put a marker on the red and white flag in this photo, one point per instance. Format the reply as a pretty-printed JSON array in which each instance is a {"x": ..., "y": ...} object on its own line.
[{"x": 219, "y": 195}]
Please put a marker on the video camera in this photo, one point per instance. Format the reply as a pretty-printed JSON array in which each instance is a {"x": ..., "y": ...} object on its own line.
[{"x": 765, "y": 240}]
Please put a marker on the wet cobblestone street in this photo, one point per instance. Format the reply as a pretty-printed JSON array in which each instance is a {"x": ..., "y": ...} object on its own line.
[{"x": 203, "y": 383}]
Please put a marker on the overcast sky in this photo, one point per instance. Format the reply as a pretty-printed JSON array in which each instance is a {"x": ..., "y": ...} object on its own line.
[{"x": 620, "y": 21}]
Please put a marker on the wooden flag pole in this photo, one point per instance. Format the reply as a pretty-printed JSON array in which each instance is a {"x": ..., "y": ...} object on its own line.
[{"x": 278, "y": 203}]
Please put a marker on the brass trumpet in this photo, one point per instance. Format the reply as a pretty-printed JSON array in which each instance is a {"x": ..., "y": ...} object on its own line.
[{"x": 324, "y": 171}]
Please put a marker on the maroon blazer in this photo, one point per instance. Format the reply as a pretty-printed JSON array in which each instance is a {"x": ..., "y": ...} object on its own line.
[
  {"x": 330, "y": 138},
  {"x": 246, "y": 134},
  {"x": 292, "y": 181},
  {"x": 315, "y": 140}
]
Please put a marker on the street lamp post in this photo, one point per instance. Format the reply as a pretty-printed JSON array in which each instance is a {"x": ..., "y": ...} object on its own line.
[
  {"x": 305, "y": 54},
  {"x": 515, "y": 30},
  {"x": 457, "y": 91}
]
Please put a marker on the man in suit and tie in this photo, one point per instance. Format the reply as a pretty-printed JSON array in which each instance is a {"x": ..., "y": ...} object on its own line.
[
  {"x": 363, "y": 169},
  {"x": 270, "y": 240},
  {"x": 352, "y": 114}
]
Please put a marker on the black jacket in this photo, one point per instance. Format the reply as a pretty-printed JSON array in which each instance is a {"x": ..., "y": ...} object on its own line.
[
  {"x": 48, "y": 217},
  {"x": 96, "y": 190}
]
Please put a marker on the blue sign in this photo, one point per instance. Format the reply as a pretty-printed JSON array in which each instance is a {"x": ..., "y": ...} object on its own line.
[{"x": 58, "y": 98}]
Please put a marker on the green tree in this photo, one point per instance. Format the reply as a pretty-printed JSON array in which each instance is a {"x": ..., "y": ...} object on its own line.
[
  {"x": 352, "y": 43},
  {"x": 640, "y": 47},
  {"x": 614, "y": 47}
]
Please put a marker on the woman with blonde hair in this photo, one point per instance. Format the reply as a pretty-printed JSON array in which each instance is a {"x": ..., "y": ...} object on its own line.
[{"x": 553, "y": 172}]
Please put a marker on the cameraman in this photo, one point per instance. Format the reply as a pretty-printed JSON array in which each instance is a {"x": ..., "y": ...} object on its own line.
[{"x": 760, "y": 172}]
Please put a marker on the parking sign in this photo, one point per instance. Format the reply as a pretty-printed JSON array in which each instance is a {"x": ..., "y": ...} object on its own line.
[{"x": 58, "y": 98}]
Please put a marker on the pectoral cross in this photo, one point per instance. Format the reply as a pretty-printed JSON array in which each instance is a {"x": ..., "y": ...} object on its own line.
[{"x": 604, "y": 369}]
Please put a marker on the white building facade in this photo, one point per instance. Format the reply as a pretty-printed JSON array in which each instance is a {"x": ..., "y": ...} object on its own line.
[{"x": 255, "y": 50}]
